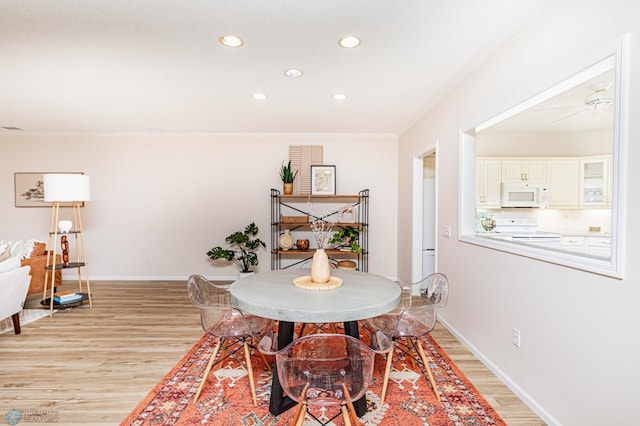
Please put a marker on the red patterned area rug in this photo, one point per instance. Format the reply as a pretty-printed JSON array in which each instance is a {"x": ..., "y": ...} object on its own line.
[{"x": 226, "y": 398}]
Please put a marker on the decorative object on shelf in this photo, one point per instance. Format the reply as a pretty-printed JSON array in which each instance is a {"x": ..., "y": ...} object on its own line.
[
  {"x": 347, "y": 236},
  {"x": 294, "y": 219},
  {"x": 65, "y": 226},
  {"x": 302, "y": 244},
  {"x": 349, "y": 265},
  {"x": 323, "y": 180},
  {"x": 66, "y": 297},
  {"x": 244, "y": 256},
  {"x": 302, "y": 158},
  {"x": 287, "y": 177},
  {"x": 286, "y": 240},
  {"x": 64, "y": 244},
  {"x": 348, "y": 214},
  {"x": 71, "y": 188}
]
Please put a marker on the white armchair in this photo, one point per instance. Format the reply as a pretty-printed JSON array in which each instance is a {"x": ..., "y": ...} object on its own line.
[{"x": 14, "y": 285}]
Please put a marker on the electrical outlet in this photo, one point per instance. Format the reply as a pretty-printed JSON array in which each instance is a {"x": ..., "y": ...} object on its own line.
[
  {"x": 516, "y": 337},
  {"x": 446, "y": 232}
]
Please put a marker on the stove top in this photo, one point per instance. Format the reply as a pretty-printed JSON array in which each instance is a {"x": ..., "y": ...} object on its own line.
[{"x": 523, "y": 228}]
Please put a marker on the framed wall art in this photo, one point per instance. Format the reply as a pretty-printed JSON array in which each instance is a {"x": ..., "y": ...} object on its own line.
[
  {"x": 29, "y": 189},
  {"x": 323, "y": 180}
]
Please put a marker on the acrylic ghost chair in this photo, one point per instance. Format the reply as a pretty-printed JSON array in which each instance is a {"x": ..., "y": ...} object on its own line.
[
  {"x": 227, "y": 324},
  {"x": 414, "y": 317},
  {"x": 324, "y": 370}
]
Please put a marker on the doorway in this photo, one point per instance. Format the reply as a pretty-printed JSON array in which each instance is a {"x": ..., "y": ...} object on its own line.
[
  {"x": 429, "y": 215},
  {"x": 424, "y": 247}
]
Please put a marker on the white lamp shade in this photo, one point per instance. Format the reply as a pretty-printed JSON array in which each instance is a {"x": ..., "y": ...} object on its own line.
[{"x": 66, "y": 187}]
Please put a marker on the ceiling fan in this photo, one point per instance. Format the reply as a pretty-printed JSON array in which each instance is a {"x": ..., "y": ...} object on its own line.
[
  {"x": 600, "y": 96},
  {"x": 599, "y": 99}
]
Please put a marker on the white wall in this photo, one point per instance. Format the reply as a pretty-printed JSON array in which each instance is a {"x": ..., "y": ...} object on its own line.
[
  {"x": 578, "y": 363},
  {"x": 160, "y": 202}
]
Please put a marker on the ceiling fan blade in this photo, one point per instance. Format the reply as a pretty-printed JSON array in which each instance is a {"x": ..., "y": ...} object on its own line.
[{"x": 575, "y": 114}]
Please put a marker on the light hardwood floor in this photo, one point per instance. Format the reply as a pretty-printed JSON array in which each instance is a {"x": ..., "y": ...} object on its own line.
[{"x": 93, "y": 366}]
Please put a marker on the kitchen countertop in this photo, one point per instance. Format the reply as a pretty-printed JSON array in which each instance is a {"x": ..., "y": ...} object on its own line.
[
  {"x": 564, "y": 233},
  {"x": 579, "y": 233}
]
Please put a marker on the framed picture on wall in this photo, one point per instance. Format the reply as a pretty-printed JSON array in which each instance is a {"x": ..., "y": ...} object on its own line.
[
  {"x": 323, "y": 180},
  {"x": 29, "y": 189}
]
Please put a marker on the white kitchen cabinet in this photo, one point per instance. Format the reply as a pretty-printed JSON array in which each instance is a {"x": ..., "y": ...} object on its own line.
[
  {"x": 563, "y": 181},
  {"x": 593, "y": 245},
  {"x": 595, "y": 181},
  {"x": 524, "y": 170},
  {"x": 576, "y": 244},
  {"x": 599, "y": 246},
  {"x": 488, "y": 179}
]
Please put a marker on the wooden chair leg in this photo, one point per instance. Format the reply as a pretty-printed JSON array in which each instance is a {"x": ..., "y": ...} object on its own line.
[
  {"x": 296, "y": 416},
  {"x": 223, "y": 355},
  {"x": 301, "y": 408},
  {"x": 345, "y": 415},
  {"x": 426, "y": 366},
  {"x": 247, "y": 356},
  {"x": 302, "y": 329},
  {"x": 299, "y": 421},
  {"x": 207, "y": 370},
  {"x": 264, "y": 359},
  {"x": 387, "y": 372},
  {"x": 409, "y": 345},
  {"x": 351, "y": 408}
]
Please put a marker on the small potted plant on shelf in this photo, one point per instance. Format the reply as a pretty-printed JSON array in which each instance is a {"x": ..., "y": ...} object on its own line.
[
  {"x": 287, "y": 177},
  {"x": 243, "y": 252},
  {"x": 347, "y": 236}
]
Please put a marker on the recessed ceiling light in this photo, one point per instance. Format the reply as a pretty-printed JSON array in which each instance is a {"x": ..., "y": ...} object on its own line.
[
  {"x": 293, "y": 73},
  {"x": 11, "y": 128},
  {"x": 231, "y": 41},
  {"x": 349, "y": 42},
  {"x": 260, "y": 96},
  {"x": 339, "y": 96}
]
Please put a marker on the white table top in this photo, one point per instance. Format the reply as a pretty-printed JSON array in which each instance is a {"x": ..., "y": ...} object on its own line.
[{"x": 273, "y": 295}]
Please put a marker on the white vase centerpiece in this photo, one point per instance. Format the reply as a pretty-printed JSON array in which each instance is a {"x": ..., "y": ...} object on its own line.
[{"x": 320, "y": 268}]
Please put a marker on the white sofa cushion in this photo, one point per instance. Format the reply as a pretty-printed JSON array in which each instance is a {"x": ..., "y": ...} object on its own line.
[
  {"x": 9, "y": 265},
  {"x": 4, "y": 253}
]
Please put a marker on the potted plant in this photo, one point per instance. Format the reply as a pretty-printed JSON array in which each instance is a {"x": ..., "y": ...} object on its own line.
[
  {"x": 347, "y": 236},
  {"x": 243, "y": 252},
  {"x": 287, "y": 177}
]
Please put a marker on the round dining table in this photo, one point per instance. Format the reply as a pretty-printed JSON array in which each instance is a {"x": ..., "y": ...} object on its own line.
[{"x": 273, "y": 295}]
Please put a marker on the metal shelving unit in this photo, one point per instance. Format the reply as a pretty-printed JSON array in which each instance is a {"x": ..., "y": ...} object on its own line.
[{"x": 290, "y": 211}]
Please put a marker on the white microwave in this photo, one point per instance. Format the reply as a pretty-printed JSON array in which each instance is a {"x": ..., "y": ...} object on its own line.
[{"x": 521, "y": 194}]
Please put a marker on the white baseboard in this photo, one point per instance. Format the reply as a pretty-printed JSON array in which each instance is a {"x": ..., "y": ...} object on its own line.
[
  {"x": 149, "y": 278},
  {"x": 508, "y": 382}
]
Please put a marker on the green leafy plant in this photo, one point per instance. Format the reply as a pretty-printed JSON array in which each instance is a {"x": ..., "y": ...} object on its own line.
[
  {"x": 243, "y": 252},
  {"x": 285, "y": 173},
  {"x": 347, "y": 236}
]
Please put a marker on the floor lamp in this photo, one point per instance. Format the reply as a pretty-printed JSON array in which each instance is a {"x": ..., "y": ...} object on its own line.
[{"x": 66, "y": 188}]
